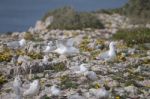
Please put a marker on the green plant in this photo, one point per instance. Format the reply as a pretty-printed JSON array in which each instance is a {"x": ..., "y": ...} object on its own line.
[
  {"x": 133, "y": 36},
  {"x": 5, "y": 56},
  {"x": 59, "y": 67},
  {"x": 2, "y": 79},
  {"x": 68, "y": 18},
  {"x": 35, "y": 55},
  {"x": 66, "y": 82}
]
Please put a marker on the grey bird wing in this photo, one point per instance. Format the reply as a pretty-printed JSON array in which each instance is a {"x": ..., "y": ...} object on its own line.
[
  {"x": 70, "y": 42},
  {"x": 103, "y": 55},
  {"x": 13, "y": 44}
]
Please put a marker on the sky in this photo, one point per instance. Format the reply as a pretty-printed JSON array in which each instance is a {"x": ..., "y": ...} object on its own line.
[{"x": 19, "y": 15}]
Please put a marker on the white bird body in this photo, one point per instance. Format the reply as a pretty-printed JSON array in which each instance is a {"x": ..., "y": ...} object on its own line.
[
  {"x": 16, "y": 44},
  {"x": 22, "y": 42},
  {"x": 45, "y": 59},
  {"x": 67, "y": 48},
  {"x": 33, "y": 90},
  {"x": 64, "y": 50},
  {"x": 110, "y": 54},
  {"x": 91, "y": 75},
  {"x": 55, "y": 91},
  {"x": 17, "y": 87},
  {"x": 100, "y": 93},
  {"x": 112, "y": 50},
  {"x": 47, "y": 49},
  {"x": 83, "y": 68}
]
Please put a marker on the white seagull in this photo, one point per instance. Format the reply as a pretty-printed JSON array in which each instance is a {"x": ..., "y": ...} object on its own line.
[
  {"x": 55, "y": 91},
  {"x": 45, "y": 59},
  {"x": 48, "y": 47},
  {"x": 101, "y": 93},
  {"x": 80, "y": 69},
  {"x": 33, "y": 89},
  {"x": 91, "y": 75},
  {"x": 16, "y": 44},
  {"x": 109, "y": 55},
  {"x": 66, "y": 48},
  {"x": 17, "y": 87},
  {"x": 83, "y": 68},
  {"x": 22, "y": 42}
]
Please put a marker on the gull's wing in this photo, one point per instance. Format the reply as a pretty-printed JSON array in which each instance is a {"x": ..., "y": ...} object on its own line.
[
  {"x": 60, "y": 43},
  {"x": 13, "y": 44},
  {"x": 70, "y": 42},
  {"x": 103, "y": 55}
]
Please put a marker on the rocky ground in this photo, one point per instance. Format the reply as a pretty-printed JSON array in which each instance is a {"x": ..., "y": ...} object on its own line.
[{"x": 126, "y": 77}]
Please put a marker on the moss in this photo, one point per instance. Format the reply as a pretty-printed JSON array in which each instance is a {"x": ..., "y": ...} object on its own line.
[
  {"x": 20, "y": 52},
  {"x": 100, "y": 41},
  {"x": 84, "y": 45},
  {"x": 146, "y": 61},
  {"x": 94, "y": 54},
  {"x": 121, "y": 58},
  {"x": 95, "y": 85},
  {"x": 5, "y": 56},
  {"x": 59, "y": 67},
  {"x": 35, "y": 55},
  {"x": 2, "y": 79},
  {"x": 66, "y": 82}
]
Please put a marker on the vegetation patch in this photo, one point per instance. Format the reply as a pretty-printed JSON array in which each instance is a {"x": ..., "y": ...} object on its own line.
[
  {"x": 5, "y": 56},
  {"x": 133, "y": 36},
  {"x": 35, "y": 55},
  {"x": 2, "y": 79},
  {"x": 66, "y": 82},
  {"x": 68, "y": 18},
  {"x": 59, "y": 67}
]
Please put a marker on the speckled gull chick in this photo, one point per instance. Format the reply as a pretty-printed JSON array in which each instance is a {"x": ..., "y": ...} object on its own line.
[
  {"x": 33, "y": 89},
  {"x": 17, "y": 87},
  {"x": 66, "y": 48},
  {"x": 110, "y": 54},
  {"x": 16, "y": 44}
]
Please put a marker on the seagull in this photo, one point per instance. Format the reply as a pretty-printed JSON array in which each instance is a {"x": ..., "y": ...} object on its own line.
[
  {"x": 17, "y": 44},
  {"x": 33, "y": 90},
  {"x": 45, "y": 59},
  {"x": 91, "y": 75},
  {"x": 48, "y": 47},
  {"x": 55, "y": 91},
  {"x": 76, "y": 96},
  {"x": 80, "y": 69},
  {"x": 101, "y": 93},
  {"x": 83, "y": 68},
  {"x": 66, "y": 49},
  {"x": 17, "y": 87},
  {"x": 22, "y": 42},
  {"x": 109, "y": 55}
]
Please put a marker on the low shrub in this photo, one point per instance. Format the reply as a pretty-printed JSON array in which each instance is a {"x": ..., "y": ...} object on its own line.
[
  {"x": 68, "y": 18},
  {"x": 133, "y": 36}
]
